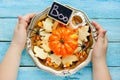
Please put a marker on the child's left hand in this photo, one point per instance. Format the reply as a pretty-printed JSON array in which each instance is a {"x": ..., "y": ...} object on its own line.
[{"x": 20, "y": 32}]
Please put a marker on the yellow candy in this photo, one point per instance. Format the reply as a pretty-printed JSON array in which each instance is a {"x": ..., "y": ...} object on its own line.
[{"x": 40, "y": 24}]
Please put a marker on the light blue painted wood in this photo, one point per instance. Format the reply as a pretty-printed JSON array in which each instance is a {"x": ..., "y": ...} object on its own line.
[
  {"x": 106, "y": 12},
  {"x": 94, "y": 8},
  {"x": 33, "y": 73},
  {"x": 111, "y": 25},
  {"x": 25, "y": 59},
  {"x": 113, "y": 56},
  {"x": 7, "y": 28}
]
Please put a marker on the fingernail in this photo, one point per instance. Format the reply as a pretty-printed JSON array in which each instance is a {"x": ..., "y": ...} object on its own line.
[
  {"x": 92, "y": 22},
  {"x": 104, "y": 32},
  {"x": 19, "y": 18}
]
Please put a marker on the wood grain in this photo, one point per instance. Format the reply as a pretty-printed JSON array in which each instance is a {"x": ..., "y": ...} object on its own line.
[
  {"x": 33, "y": 73},
  {"x": 113, "y": 56},
  {"x": 105, "y": 12},
  {"x": 94, "y": 8}
]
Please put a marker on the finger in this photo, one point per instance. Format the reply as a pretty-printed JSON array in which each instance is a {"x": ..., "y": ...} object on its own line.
[
  {"x": 96, "y": 25},
  {"x": 102, "y": 33},
  {"x": 101, "y": 37},
  {"x": 106, "y": 41},
  {"x": 19, "y": 19},
  {"x": 28, "y": 17},
  {"x": 100, "y": 30},
  {"x": 21, "y": 22}
]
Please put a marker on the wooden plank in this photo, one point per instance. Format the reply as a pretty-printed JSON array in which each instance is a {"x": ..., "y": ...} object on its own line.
[
  {"x": 7, "y": 28},
  {"x": 106, "y": 12},
  {"x": 113, "y": 56},
  {"x": 25, "y": 59},
  {"x": 94, "y": 8},
  {"x": 111, "y": 25},
  {"x": 33, "y": 73}
]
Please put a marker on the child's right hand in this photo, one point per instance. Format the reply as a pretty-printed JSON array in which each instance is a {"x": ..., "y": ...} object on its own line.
[
  {"x": 20, "y": 32},
  {"x": 100, "y": 48}
]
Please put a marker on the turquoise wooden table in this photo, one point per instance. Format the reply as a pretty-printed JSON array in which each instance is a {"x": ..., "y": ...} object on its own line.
[{"x": 105, "y": 12}]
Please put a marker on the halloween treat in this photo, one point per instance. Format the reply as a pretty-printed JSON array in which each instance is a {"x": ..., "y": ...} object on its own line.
[{"x": 60, "y": 48}]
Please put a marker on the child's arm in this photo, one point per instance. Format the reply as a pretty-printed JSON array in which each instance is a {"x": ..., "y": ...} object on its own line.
[
  {"x": 10, "y": 64},
  {"x": 100, "y": 70}
]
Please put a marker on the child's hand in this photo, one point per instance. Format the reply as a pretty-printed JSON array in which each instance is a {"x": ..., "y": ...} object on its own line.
[
  {"x": 100, "y": 48},
  {"x": 100, "y": 69},
  {"x": 20, "y": 34}
]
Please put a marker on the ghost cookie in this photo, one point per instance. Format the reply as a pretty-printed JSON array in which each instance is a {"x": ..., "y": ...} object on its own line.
[{"x": 40, "y": 53}]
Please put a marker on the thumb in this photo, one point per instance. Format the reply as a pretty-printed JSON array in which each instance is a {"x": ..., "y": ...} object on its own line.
[
  {"x": 21, "y": 22},
  {"x": 101, "y": 37},
  {"x": 102, "y": 33}
]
